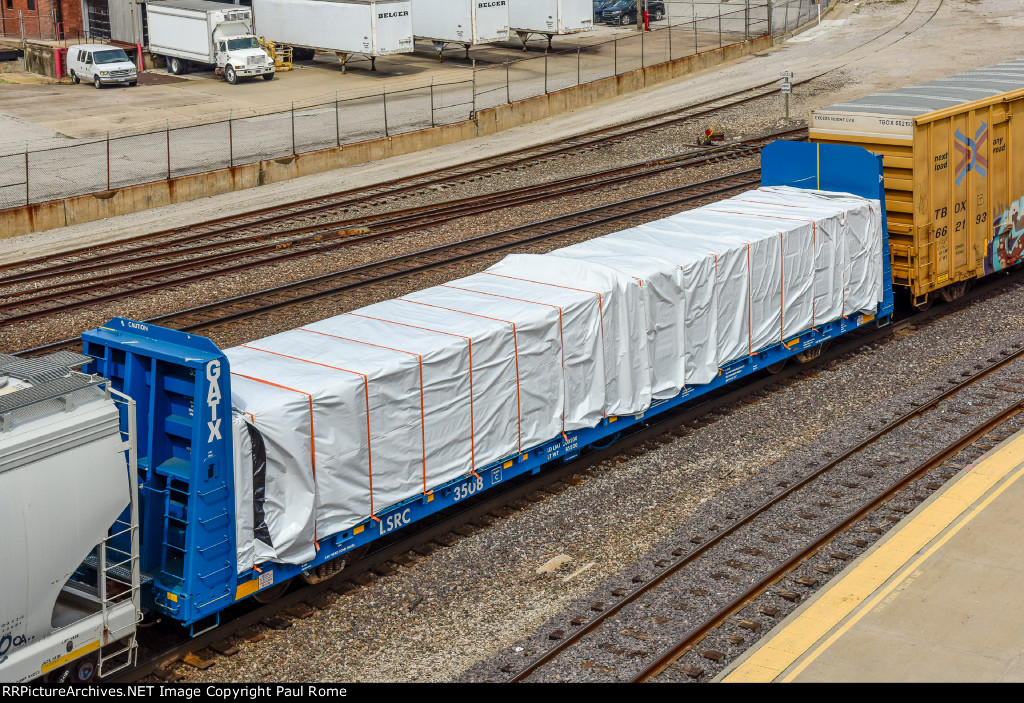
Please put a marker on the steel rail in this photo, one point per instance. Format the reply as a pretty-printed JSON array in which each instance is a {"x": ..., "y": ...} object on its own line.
[
  {"x": 759, "y": 510},
  {"x": 363, "y": 274},
  {"x": 477, "y": 167},
  {"x": 320, "y": 236}
]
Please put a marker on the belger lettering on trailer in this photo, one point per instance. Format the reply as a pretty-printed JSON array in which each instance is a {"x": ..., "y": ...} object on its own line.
[
  {"x": 499, "y": 3},
  {"x": 213, "y": 399},
  {"x": 382, "y": 15}
]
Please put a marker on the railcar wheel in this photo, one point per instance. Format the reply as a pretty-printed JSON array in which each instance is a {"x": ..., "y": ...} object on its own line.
[
  {"x": 776, "y": 367},
  {"x": 810, "y": 354},
  {"x": 269, "y": 595}
]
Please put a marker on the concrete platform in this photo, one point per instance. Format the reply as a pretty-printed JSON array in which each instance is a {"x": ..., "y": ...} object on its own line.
[{"x": 937, "y": 599}]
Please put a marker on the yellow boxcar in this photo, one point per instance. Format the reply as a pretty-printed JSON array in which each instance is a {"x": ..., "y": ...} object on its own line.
[{"x": 954, "y": 188}]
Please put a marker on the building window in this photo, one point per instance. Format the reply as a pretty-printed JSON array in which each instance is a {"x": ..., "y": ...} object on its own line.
[
  {"x": 31, "y": 4},
  {"x": 10, "y": 4}
]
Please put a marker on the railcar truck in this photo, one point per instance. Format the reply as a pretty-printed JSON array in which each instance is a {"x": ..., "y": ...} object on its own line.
[{"x": 199, "y": 34}]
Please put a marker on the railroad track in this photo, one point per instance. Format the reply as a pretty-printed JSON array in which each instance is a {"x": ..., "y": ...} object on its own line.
[
  {"x": 208, "y": 316},
  {"x": 252, "y": 622},
  {"x": 755, "y": 556},
  {"x": 261, "y": 220},
  {"x": 38, "y": 293}
]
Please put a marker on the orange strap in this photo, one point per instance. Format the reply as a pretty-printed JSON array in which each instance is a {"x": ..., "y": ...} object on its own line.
[
  {"x": 366, "y": 395},
  {"x": 515, "y": 348},
  {"x": 814, "y": 245},
  {"x": 561, "y": 329},
  {"x": 781, "y": 293},
  {"x": 750, "y": 312},
  {"x": 312, "y": 440},
  {"x": 600, "y": 298},
  {"x": 423, "y": 431},
  {"x": 469, "y": 340}
]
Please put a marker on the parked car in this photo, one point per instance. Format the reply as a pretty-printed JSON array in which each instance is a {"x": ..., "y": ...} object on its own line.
[
  {"x": 625, "y": 11},
  {"x": 101, "y": 65},
  {"x": 599, "y": 5}
]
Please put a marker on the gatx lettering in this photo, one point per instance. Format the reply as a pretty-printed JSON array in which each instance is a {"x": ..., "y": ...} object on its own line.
[{"x": 213, "y": 397}]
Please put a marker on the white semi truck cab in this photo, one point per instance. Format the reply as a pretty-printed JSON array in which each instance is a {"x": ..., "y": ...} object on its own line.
[{"x": 200, "y": 34}]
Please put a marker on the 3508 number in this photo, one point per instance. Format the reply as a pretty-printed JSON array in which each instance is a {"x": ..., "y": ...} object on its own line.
[{"x": 467, "y": 489}]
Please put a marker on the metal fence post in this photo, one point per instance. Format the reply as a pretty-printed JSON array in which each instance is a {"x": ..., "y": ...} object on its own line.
[
  {"x": 545, "y": 71},
  {"x": 168, "y": 150},
  {"x": 719, "y": 26},
  {"x": 337, "y": 120},
  {"x": 615, "y": 71},
  {"x": 231, "y": 140},
  {"x": 668, "y": 19},
  {"x": 642, "y": 35},
  {"x": 473, "y": 114},
  {"x": 508, "y": 89},
  {"x": 26, "y": 176},
  {"x": 577, "y": 64},
  {"x": 746, "y": 19},
  {"x": 432, "y": 122},
  {"x": 384, "y": 95},
  {"x": 785, "y": 21},
  {"x": 696, "y": 44},
  {"x": 771, "y": 19},
  {"x": 108, "y": 160},
  {"x": 293, "y": 129}
]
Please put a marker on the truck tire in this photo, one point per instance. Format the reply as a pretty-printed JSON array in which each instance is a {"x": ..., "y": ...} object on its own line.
[
  {"x": 658, "y": 16},
  {"x": 268, "y": 76},
  {"x": 75, "y": 79},
  {"x": 229, "y": 75},
  {"x": 175, "y": 65},
  {"x": 96, "y": 82}
]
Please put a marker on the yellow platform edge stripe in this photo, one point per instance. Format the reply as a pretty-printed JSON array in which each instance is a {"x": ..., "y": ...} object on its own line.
[{"x": 861, "y": 583}]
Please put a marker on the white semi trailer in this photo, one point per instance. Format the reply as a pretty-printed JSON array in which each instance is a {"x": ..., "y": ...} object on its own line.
[
  {"x": 370, "y": 28},
  {"x": 199, "y": 34},
  {"x": 550, "y": 17},
  {"x": 463, "y": 22}
]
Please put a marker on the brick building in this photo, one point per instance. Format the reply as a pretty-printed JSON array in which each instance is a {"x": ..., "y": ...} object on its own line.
[{"x": 42, "y": 19}]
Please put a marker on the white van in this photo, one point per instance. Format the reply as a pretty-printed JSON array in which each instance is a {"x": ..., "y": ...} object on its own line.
[{"x": 101, "y": 65}]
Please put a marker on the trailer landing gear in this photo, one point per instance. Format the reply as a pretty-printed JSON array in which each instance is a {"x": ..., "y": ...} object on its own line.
[{"x": 523, "y": 36}]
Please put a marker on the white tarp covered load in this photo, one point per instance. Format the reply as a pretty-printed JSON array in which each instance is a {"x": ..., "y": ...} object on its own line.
[{"x": 346, "y": 417}]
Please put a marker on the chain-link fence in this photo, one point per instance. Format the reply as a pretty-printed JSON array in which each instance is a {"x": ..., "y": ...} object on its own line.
[{"x": 90, "y": 166}]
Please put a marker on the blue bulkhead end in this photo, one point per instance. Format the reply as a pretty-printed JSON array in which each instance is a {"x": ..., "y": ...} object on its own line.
[
  {"x": 841, "y": 168},
  {"x": 182, "y": 389}
]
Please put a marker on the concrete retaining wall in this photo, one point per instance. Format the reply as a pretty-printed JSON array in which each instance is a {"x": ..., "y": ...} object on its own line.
[{"x": 95, "y": 206}]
